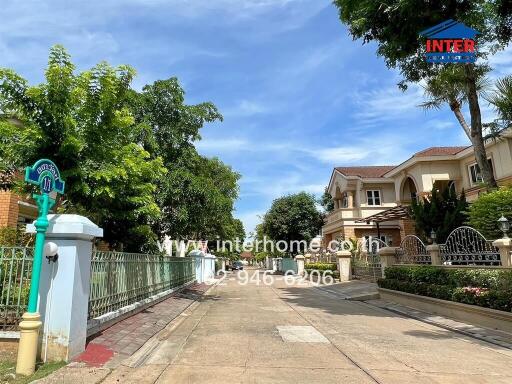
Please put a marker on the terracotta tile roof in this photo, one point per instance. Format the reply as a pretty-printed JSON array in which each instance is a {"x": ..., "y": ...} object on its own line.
[
  {"x": 246, "y": 255},
  {"x": 439, "y": 151},
  {"x": 366, "y": 171}
]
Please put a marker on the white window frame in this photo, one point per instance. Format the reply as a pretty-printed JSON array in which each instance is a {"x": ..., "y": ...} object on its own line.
[
  {"x": 375, "y": 194},
  {"x": 474, "y": 166}
]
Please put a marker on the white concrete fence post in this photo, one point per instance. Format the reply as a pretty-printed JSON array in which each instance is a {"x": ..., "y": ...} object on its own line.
[
  {"x": 64, "y": 286},
  {"x": 387, "y": 257},
  {"x": 434, "y": 251},
  {"x": 344, "y": 265},
  {"x": 300, "y": 264},
  {"x": 505, "y": 247}
]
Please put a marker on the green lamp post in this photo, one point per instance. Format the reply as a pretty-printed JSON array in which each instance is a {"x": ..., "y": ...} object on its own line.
[{"x": 45, "y": 174}]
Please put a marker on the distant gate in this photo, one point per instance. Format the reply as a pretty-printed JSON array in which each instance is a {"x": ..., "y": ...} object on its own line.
[
  {"x": 288, "y": 264},
  {"x": 366, "y": 264}
]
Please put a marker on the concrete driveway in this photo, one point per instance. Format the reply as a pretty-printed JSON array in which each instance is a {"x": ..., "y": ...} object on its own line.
[{"x": 257, "y": 333}]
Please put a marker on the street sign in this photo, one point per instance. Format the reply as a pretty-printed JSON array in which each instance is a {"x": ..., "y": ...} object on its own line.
[{"x": 45, "y": 174}]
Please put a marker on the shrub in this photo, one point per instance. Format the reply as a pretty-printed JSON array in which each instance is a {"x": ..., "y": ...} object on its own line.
[
  {"x": 13, "y": 237},
  {"x": 491, "y": 288},
  {"x": 321, "y": 266},
  {"x": 440, "y": 211},
  {"x": 484, "y": 213}
]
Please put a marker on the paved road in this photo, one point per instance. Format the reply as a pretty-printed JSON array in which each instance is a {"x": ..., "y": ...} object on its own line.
[{"x": 300, "y": 334}]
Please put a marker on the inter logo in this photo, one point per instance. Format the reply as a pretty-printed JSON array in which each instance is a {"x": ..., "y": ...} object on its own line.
[{"x": 450, "y": 42}]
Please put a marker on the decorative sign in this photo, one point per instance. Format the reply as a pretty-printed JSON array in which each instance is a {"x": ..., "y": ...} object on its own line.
[
  {"x": 450, "y": 42},
  {"x": 46, "y": 175}
]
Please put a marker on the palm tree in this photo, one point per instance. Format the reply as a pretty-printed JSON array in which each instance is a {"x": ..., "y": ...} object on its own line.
[
  {"x": 501, "y": 100},
  {"x": 449, "y": 86}
]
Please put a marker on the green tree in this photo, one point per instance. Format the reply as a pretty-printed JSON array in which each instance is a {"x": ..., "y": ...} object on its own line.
[
  {"x": 81, "y": 122},
  {"x": 449, "y": 87},
  {"x": 395, "y": 25},
  {"x": 501, "y": 99},
  {"x": 293, "y": 217},
  {"x": 198, "y": 193},
  {"x": 483, "y": 214},
  {"x": 441, "y": 211},
  {"x": 326, "y": 201}
]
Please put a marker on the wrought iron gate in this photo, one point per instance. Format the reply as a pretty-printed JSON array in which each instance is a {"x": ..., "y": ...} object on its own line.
[
  {"x": 467, "y": 246},
  {"x": 412, "y": 251},
  {"x": 366, "y": 264}
]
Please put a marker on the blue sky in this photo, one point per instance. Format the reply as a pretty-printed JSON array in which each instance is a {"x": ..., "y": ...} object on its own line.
[{"x": 298, "y": 95}]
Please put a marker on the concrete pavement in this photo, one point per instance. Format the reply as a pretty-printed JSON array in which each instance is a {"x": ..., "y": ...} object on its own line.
[{"x": 299, "y": 334}]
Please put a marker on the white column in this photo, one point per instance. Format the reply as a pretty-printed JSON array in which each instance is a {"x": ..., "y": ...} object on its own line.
[
  {"x": 505, "y": 246},
  {"x": 64, "y": 286},
  {"x": 435, "y": 254},
  {"x": 387, "y": 257},
  {"x": 344, "y": 265},
  {"x": 300, "y": 264}
]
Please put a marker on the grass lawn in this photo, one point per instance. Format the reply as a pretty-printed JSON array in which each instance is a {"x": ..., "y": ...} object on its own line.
[{"x": 8, "y": 368}]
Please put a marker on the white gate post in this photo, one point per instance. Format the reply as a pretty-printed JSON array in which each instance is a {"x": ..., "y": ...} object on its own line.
[
  {"x": 64, "y": 286},
  {"x": 387, "y": 257},
  {"x": 300, "y": 264},
  {"x": 344, "y": 265},
  {"x": 434, "y": 250},
  {"x": 505, "y": 246}
]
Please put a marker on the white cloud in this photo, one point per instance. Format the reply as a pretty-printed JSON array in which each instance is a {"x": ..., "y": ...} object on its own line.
[
  {"x": 378, "y": 106},
  {"x": 250, "y": 220},
  {"x": 246, "y": 108},
  {"x": 501, "y": 63},
  {"x": 339, "y": 155},
  {"x": 222, "y": 145}
]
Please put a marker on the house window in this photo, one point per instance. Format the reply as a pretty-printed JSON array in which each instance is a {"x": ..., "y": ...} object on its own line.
[
  {"x": 344, "y": 200},
  {"x": 373, "y": 197},
  {"x": 475, "y": 175}
]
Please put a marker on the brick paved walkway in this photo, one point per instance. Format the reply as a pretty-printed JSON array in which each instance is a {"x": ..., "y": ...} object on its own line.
[{"x": 126, "y": 337}]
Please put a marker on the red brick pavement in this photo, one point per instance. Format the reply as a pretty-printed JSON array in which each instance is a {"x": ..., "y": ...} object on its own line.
[{"x": 127, "y": 336}]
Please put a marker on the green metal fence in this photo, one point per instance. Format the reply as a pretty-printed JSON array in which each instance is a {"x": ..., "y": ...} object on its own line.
[
  {"x": 15, "y": 270},
  {"x": 120, "y": 279}
]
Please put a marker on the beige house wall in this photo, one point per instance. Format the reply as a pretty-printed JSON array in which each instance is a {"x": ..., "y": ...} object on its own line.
[{"x": 424, "y": 171}]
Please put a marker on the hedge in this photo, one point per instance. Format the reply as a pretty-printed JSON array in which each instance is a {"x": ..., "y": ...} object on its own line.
[
  {"x": 490, "y": 288},
  {"x": 321, "y": 266}
]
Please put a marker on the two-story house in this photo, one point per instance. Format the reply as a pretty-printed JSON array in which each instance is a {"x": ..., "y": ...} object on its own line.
[{"x": 370, "y": 201}]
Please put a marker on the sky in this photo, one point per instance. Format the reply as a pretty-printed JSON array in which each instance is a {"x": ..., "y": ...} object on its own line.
[{"x": 298, "y": 95}]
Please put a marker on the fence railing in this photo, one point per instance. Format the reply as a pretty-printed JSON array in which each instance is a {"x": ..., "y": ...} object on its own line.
[
  {"x": 467, "y": 246},
  {"x": 412, "y": 251},
  {"x": 15, "y": 271},
  {"x": 120, "y": 279},
  {"x": 464, "y": 246}
]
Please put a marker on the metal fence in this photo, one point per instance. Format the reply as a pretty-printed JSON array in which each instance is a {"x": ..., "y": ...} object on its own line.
[
  {"x": 120, "y": 279},
  {"x": 412, "y": 251},
  {"x": 366, "y": 263},
  {"x": 323, "y": 257},
  {"x": 15, "y": 271},
  {"x": 467, "y": 246}
]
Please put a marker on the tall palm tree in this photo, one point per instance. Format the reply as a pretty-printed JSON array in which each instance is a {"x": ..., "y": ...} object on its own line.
[
  {"x": 449, "y": 86},
  {"x": 501, "y": 99}
]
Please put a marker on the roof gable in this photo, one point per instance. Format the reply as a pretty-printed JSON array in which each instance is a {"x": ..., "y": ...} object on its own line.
[
  {"x": 440, "y": 151},
  {"x": 450, "y": 29},
  {"x": 371, "y": 171}
]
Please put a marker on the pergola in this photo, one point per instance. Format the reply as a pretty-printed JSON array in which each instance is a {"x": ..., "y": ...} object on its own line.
[{"x": 395, "y": 213}]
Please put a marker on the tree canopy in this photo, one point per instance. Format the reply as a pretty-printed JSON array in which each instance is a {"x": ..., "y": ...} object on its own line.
[
  {"x": 395, "y": 26},
  {"x": 326, "y": 201},
  {"x": 128, "y": 157},
  {"x": 292, "y": 217}
]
